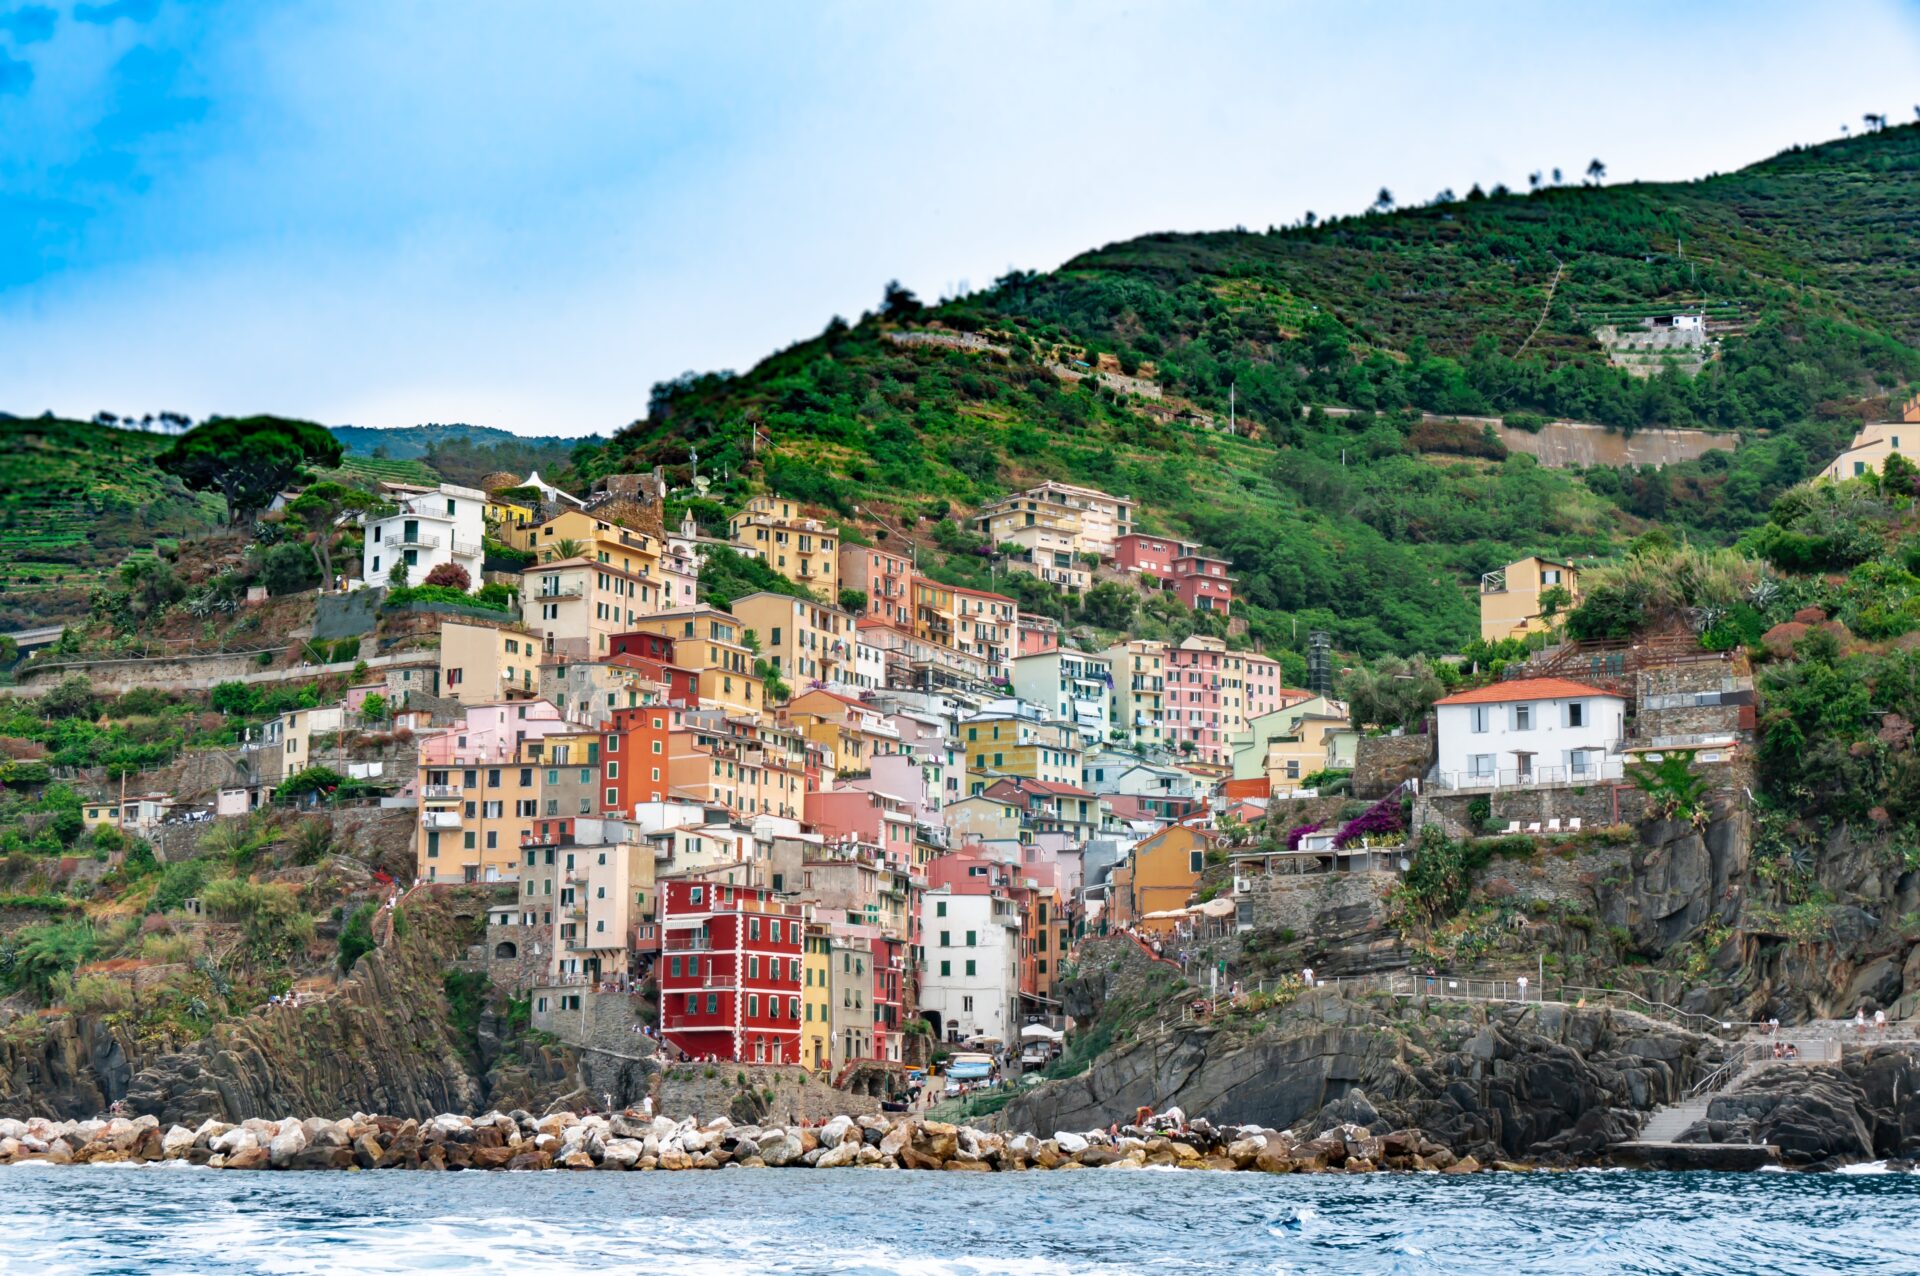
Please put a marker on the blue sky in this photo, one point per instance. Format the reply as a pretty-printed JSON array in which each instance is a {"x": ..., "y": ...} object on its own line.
[{"x": 523, "y": 215}]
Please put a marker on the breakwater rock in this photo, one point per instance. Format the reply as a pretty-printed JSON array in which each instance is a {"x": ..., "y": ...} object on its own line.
[{"x": 626, "y": 1141}]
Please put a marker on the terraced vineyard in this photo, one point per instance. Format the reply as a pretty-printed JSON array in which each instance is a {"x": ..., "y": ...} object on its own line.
[
  {"x": 75, "y": 501},
  {"x": 376, "y": 470}
]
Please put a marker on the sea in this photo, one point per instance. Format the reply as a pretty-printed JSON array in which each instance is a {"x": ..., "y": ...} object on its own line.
[{"x": 141, "y": 1219}]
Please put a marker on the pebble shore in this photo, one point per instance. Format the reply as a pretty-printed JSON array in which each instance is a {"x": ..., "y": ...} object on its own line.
[{"x": 627, "y": 1141}]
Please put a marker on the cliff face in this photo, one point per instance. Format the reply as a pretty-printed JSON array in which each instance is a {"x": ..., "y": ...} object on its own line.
[
  {"x": 1488, "y": 1081},
  {"x": 385, "y": 1042}
]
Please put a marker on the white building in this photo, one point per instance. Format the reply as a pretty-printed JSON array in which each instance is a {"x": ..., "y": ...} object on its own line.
[
  {"x": 970, "y": 977},
  {"x": 1529, "y": 731},
  {"x": 433, "y": 525},
  {"x": 1071, "y": 686}
]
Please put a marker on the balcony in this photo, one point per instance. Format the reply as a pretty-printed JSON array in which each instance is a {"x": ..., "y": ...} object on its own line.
[
  {"x": 440, "y": 792},
  {"x": 682, "y": 942},
  {"x": 549, "y": 592},
  {"x": 440, "y": 819},
  {"x": 417, "y": 540}
]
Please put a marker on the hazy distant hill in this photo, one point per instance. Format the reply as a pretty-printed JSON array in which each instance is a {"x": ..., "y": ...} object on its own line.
[{"x": 413, "y": 442}]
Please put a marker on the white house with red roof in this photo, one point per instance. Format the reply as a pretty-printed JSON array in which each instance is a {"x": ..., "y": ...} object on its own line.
[{"x": 1529, "y": 731}]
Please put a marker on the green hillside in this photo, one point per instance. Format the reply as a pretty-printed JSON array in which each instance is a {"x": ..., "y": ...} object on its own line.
[
  {"x": 1805, "y": 265},
  {"x": 75, "y": 501},
  {"x": 460, "y": 453}
]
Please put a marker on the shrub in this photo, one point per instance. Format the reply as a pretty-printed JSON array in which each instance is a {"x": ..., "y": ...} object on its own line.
[
  {"x": 356, "y": 938},
  {"x": 37, "y": 957},
  {"x": 177, "y": 884},
  {"x": 450, "y": 576},
  {"x": 313, "y": 779}
]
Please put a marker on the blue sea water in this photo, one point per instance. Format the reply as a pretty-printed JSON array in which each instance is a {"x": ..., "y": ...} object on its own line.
[{"x": 117, "y": 1219}]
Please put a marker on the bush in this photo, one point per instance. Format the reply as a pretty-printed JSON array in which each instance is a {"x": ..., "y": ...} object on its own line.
[
  {"x": 178, "y": 883},
  {"x": 356, "y": 938},
  {"x": 288, "y": 569},
  {"x": 73, "y": 698},
  {"x": 450, "y": 576},
  {"x": 271, "y": 918},
  {"x": 37, "y": 957},
  {"x": 313, "y": 779}
]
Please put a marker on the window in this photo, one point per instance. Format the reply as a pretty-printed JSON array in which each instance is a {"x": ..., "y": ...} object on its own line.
[
  {"x": 946, "y": 969},
  {"x": 753, "y": 928},
  {"x": 1576, "y": 713},
  {"x": 1523, "y": 717},
  {"x": 972, "y": 939},
  {"x": 1480, "y": 716},
  {"x": 1196, "y": 861},
  {"x": 613, "y": 769},
  {"x": 753, "y": 1005},
  {"x": 693, "y": 1003},
  {"x": 940, "y": 909},
  {"x": 695, "y": 895},
  {"x": 1480, "y": 765},
  {"x": 753, "y": 968},
  {"x": 713, "y": 1003},
  {"x": 946, "y": 939},
  {"x": 673, "y": 967},
  {"x": 970, "y": 968}
]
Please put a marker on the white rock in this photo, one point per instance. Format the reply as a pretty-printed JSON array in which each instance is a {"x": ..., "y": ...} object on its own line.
[
  {"x": 834, "y": 1131},
  {"x": 285, "y": 1146},
  {"x": 236, "y": 1139},
  {"x": 1070, "y": 1143},
  {"x": 177, "y": 1142},
  {"x": 843, "y": 1153},
  {"x": 624, "y": 1153},
  {"x": 11, "y": 1129}
]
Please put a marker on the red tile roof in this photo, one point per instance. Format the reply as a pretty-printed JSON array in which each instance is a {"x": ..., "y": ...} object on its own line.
[{"x": 1527, "y": 689}]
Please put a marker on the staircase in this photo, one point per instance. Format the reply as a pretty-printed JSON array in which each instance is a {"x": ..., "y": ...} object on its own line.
[{"x": 1669, "y": 1123}]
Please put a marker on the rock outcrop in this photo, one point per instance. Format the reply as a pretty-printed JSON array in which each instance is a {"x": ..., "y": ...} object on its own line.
[
  {"x": 1488, "y": 1081},
  {"x": 1865, "y": 1108}
]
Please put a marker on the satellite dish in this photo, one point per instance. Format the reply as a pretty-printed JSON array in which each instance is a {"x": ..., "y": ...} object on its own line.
[
  {"x": 701, "y": 483},
  {"x": 1405, "y": 863}
]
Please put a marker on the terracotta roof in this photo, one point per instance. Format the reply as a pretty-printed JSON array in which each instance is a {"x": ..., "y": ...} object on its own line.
[{"x": 1528, "y": 689}]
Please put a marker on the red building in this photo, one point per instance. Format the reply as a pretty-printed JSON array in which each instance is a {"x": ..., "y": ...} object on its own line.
[
  {"x": 729, "y": 971},
  {"x": 1202, "y": 581},
  {"x": 1139, "y": 552},
  {"x": 633, "y": 758},
  {"x": 889, "y": 995},
  {"x": 652, "y": 654}
]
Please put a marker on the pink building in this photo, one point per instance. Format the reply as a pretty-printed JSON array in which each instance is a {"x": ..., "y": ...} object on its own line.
[
  {"x": 886, "y": 579},
  {"x": 877, "y": 819},
  {"x": 1037, "y": 634},
  {"x": 1265, "y": 691}
]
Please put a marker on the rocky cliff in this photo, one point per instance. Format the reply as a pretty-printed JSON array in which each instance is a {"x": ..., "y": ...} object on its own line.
[
  {"x": 385, "y": 1041},
  {"x": 1490, "y": 1081}
]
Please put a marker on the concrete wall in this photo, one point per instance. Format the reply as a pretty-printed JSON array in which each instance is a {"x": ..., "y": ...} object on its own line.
[{"x": 1563, "y": 443}]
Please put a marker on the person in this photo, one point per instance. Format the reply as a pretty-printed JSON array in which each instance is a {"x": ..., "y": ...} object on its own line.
[
  {"x": 1306, "y": 976},
  {"x": 1773, "y": 1027},
  {"x": 1522, "y": 981},
  {"x": 1860, "y": 1021},
  {"x": 1880, "y": 1022}
]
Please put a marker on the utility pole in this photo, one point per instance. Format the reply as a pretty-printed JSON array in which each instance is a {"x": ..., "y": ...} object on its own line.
[{"x": 1233, "y": 413}]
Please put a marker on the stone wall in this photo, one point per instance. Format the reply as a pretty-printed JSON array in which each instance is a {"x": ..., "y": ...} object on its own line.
[
  {"x": 704, "y": 1091},
  {"x": 605, "y": 1020},
  {"x": 1730, "y": 681},
  {"x": 1382, "y": 761},
  {"x": 523, "y": 967},
  {"x": 1594, "y": 805},
  {"x": 1335, "y": 913}
]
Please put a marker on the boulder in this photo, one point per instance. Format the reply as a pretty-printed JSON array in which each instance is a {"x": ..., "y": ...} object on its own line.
[
  {"x": 836, "y": 1130},
  {"x": 534, "y": 1160},
  {"x": 621, "y": 1153},
  {"x": 1071, "y": 1144},
  {"x": 286, "y": 1145},
  {"x": 176, "y": 1142},
  {"x": 251, "y": 1157},
  {"x": 845, "y": 1152}
]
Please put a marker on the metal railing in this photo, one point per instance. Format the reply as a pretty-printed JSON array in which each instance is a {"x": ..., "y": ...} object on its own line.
[
  {"x": 1531, "y": 778},
  {"x": 440, "y": 792}
]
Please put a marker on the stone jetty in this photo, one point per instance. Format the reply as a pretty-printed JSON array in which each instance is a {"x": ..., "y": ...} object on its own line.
[{"x": 626, "y": 1141}]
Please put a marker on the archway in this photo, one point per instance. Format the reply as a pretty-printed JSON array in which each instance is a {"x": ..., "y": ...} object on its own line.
[{"x": 506, "y": 950}]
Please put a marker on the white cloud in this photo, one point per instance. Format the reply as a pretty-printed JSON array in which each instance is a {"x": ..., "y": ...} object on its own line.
[{"x": 525, "y": 222}]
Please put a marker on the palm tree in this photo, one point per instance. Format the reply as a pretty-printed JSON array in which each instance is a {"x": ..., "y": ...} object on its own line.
[
  {"x": 1596, "y": 172},
  {"x": 1383, "y": 202},
  {"x": 567, "y": 548}
]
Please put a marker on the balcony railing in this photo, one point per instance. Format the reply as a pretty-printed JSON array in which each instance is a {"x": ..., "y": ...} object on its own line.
[
  {"x": 1531, "y": 778},
  {"x": 676, "y": 942},
  {"x": 560, "y": 591},
  {"x": 440, "y": 792},
  {"x": 440, "y": 819},
  {"x": 417, "y": 540}
]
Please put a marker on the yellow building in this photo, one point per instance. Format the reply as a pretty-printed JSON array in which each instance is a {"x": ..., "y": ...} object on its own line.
[
  {"x": 1878, "y": 440},
  {"x": 1043, "y": 539},
  {"x": 508, "y": 520},
  {"x": 480, "y": 664},
  {"x": 1009, "y": 746},
  {"x": 934, "y": 619},
  {"x": 1097, "y": 519},
  {"x": 1139, "y": 696},
  {"x": 986, "y": 625},
  {"x": 852, "y": 732},
  {"x": 620, "y": 533},
  {"x": 577, "y": 605},
  {"x": 710, "y": 642},
  {"x": 805, "y": 642},
  {"x": 1510, "y": 605},
  {"x": 816, "y": 999},
  {"x": 1161, "y": 873},
  {"x": 804, "y": 550},
  {"x": 1291, "y": 743}
]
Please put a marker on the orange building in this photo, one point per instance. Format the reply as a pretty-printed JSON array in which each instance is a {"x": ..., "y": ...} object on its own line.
[{"x": 1159, "y": 876}]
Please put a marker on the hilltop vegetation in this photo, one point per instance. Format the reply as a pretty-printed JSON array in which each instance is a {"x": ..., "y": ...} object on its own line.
[
  {"x": 75, "y": 500},
  {"x": 1342, "y": 521}
]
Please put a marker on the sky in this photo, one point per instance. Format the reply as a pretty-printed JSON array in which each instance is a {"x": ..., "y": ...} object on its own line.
[{"x": 524, "y": 215}]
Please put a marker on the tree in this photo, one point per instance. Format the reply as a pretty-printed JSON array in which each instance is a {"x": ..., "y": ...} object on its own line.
[
  {"x": 248, "y": 460},
  {"x": 1533, "y": 180},
  {"x": 151, "y": 586},
  {"x": 73, "y": 698},
  {"x": 898, "y": 303},
  {"x": 1383, "y": 202},
  {"x": 566, "y": 547},
  {"x": 1392, "y": 693},
  {"x": 1109, "y": 605},
  {"x": 320, "y": 508},
  {"x": 288, "y": 569},
  {"x": 452, "y": 575},
  {"x": 1556, "y": 177},
  {"x": 374, "y": 708},
  {"x": 1596, "y": 172},
  {"x": 854, "y": 600}
]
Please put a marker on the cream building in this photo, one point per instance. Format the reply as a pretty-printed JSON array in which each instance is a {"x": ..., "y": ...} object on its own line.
[{"x": 1510, "y": 597}]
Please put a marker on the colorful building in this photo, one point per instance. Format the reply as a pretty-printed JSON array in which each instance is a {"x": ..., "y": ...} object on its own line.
[{"x": 729, "y": 972}]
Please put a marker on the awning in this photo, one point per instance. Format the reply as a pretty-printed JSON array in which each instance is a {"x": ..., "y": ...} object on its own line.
[
  {"x": 1040, "y": 1032},
  {"x": 1217, "y": 908},
  {"x": 969, "y": 1071}
]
